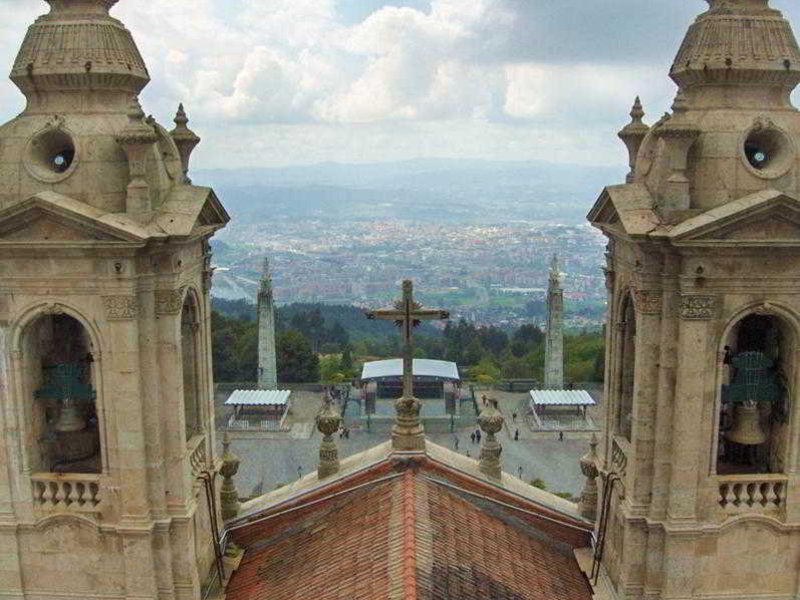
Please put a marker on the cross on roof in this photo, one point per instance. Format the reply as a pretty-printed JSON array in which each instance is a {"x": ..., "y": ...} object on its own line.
[{"x": 407, "y": 313}]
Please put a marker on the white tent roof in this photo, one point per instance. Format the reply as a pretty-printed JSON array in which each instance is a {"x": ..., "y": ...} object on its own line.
[
  {"x": 423, "y": 367},
  {"x": 258, "y": 398},
  {"x": 562, "y": 398}
]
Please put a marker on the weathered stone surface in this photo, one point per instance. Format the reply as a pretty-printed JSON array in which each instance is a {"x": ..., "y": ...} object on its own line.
[
  {"x": 81, "y": 249},
  {"x": 714, "y": 196}
]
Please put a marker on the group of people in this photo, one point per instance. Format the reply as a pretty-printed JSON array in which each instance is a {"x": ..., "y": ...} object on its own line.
[{"x": 337, "y": 394}]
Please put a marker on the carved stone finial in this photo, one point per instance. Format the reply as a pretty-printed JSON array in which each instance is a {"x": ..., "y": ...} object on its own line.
[
  {"x": 185, "y": 139},
  {"x": 680, "y": 104},
  {"x": 637, "y": 112},
  {"x": 328, "y": 422},
  {"x": 229, "y": 497},
  {"x": 137, "y": 140},
  {"x": 491, "y": 421},
  {"x": 588, "y": 502},
  {"x": 633, "y": 134}
]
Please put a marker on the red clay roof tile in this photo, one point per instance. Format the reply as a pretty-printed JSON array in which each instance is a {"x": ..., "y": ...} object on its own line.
[{"x": 407, "y": 538}]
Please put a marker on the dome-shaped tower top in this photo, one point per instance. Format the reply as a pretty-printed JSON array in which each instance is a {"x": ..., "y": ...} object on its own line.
[
  {"x": 741, "y": 43},
  {"x": 78, "y": 47}
]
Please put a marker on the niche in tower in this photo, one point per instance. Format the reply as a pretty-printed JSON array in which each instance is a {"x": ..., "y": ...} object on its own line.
[
  {"x": 753, "y": 418},
  {"x": 190, "y": 326},
  {"x": 627, "y": 368},
  {"x": 60, "y": 376}
]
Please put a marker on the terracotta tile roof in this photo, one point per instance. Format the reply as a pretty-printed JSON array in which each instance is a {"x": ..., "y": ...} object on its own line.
[{"x": 407, "y": 536}]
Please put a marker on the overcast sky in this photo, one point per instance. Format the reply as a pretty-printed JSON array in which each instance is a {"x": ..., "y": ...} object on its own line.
[{"x": 278, "y": 82}]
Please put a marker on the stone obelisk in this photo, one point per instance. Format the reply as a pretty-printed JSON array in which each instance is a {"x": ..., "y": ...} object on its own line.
[
  {"x": 554, "y": 342},
  {"x": 267, "y": 361}
]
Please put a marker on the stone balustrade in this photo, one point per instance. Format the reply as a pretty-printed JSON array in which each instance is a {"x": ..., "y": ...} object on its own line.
[
  {"x": 55, "y": 492},
  {"x": 759, "y": 493},
  {"x": 619, "y": 455},
  {"x": 198, "y": 458}
]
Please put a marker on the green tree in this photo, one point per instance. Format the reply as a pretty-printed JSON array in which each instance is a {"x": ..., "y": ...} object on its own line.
[
  {"x": 347, "y": 359},
  {"x": 513, "y": 367},
  {"x": 485, "y": 371},
  {"x": 329, "y": 367},
  {"x": 297, "y": 362},
  {"x": 494, "y": 340},
  {"x": 474, "y": 353}
]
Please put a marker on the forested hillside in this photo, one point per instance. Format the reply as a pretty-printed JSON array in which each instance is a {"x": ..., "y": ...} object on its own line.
[{"x": 321, "y": 342}]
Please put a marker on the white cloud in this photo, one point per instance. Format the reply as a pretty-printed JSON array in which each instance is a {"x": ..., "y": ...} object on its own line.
[{"x": 297, "y": 81}]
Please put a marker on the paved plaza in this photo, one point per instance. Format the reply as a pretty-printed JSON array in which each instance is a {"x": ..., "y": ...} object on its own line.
[{"x": 273, "y": 459}]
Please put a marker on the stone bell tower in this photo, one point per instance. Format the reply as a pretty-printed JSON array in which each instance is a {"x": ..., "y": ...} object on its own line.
[
  {"x": 107, "y": 486},
  {"x": 700, "y": 494}
]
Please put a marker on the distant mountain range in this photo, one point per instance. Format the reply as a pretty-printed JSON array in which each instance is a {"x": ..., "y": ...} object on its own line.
[{"x": 422, "y": 189}]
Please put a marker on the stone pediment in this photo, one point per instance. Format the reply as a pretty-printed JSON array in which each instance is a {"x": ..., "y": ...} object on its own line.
[
  {"x": 52, "y": 218},
  {"x": 768, "y": 218},
  {"x": 626, "y": 209},
  {"x": 191, "y": 209}
]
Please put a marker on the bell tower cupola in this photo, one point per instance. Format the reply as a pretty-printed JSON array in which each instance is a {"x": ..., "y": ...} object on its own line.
[
  {"x": 733, "y": 128},
  {"x": 741, "y": 44},
  {"x": 78, "y": 48}
]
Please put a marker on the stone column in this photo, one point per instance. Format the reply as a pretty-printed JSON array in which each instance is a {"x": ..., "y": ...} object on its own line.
[
  {"x": 328, "y": 423},
  {"x": 491, "y": 421},
  {"x": 179, "y": 488},
  {"x": 665, "y": 394},
  {"x": 687, "y": 447},
  {"x": 647, "y": 304},
  {"x": 10, "y": 573}
]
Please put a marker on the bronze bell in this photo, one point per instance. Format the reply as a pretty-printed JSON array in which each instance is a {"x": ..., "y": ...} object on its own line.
[
  {"x": 747, "y": 428},
  {"x": 70, "y": 419}
]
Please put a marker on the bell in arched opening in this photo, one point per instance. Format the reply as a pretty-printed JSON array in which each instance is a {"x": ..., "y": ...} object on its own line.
[{"x": 754, "y": 383}]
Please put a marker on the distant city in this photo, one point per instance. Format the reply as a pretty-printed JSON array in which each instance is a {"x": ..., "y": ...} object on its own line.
[
  {"x": 349, "y": 235},
  {"x": 493, "y": 275}
]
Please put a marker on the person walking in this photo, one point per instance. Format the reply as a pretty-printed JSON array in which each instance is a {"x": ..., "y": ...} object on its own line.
[
  {"x": 516, "y": 435},
  {"x": 472, "y": 437},
  {"x": 560, "y": 436},
  {"x": 478, "y": 435},
  {"x": 514, "y": 417},
  {"x": 456, "y": 444}
]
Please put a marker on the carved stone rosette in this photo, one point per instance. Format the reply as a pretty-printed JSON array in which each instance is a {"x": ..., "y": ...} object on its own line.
[
  {"x": 407, "y": 432},
  {"x": 229, "y": 497},
  {"x": 696, "y": 307},
  {"x": 647, "y": 302},
  {"x": 169, "y": 302},
  {"x": 328, "y": 422},
  {"x": 588, "y": 502},
  {"x": 120, "y": 308},
  {"x": 491, "y": 421}
]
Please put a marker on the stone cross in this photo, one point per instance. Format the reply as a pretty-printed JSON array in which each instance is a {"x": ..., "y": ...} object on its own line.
[{"x": 407, "y": 433}]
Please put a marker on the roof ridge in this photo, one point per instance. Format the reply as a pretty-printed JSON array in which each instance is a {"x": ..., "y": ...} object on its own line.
[{"x": 409, "y": 537}]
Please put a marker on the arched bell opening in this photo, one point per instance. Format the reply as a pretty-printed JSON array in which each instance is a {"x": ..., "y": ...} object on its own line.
[
  {"x": 190, "y": 325},
  {"x": 626, "y": 369},
  {"x": 59, "y": 379},
  {"x": 752, "y": 431}
]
